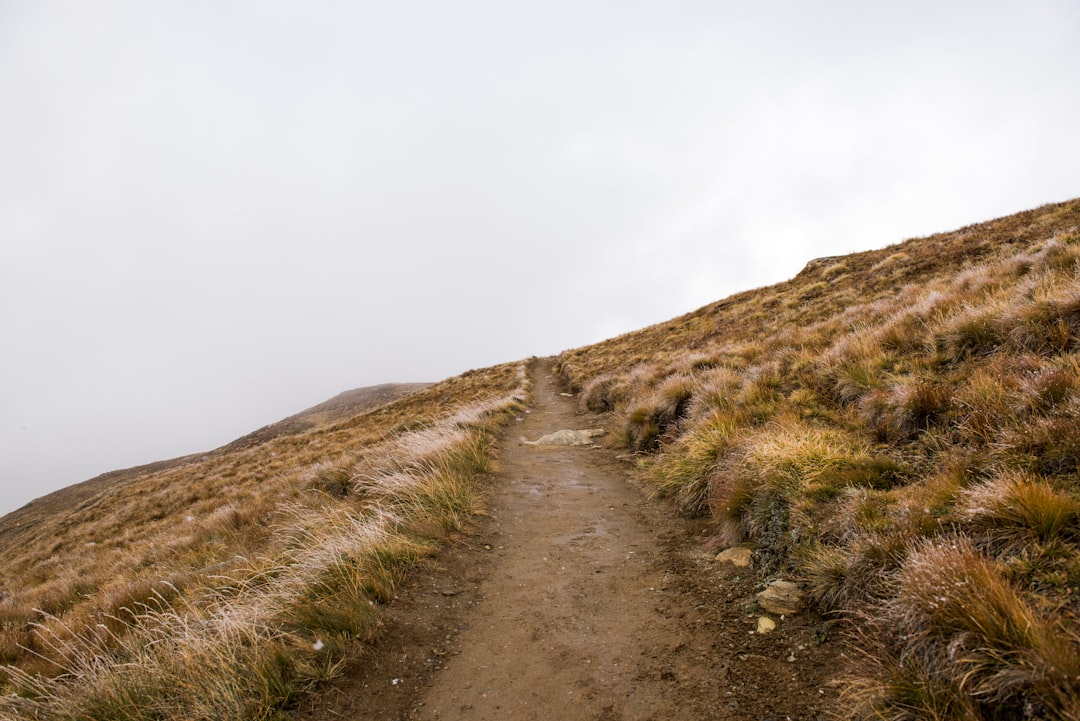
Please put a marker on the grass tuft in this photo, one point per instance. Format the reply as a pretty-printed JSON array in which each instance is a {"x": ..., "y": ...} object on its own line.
[
  {"x": 847, "y": 579},
  {"x": 958, "y": 635},
  {"x": 1016, "y": 510},
  {"x": 769, "y": 489},
  {"x": 684, "y": 473},
  {"x": 659, "y": 414}
]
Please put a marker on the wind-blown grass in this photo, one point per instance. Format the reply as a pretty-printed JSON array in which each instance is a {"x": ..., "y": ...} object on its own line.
[{"x": 246, "y": 641}]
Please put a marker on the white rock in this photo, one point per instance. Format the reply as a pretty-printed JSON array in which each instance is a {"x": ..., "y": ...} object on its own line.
[
  {"x": 765, "y": 624},
  {"x": 568, "y": 438}
]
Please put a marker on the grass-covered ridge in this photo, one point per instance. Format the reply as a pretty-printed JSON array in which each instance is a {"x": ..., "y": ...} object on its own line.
[
  {"x": 900, "y": 431},
  {"x": 223, "y": 587}
]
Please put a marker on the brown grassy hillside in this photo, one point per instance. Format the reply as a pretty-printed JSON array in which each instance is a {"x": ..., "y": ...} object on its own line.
[
  {"x": 896, "y": 430},
  {"x": 899, "y": 430},
  {"x": 15, "y": 526},
  {"x": 223, "y": 585}
]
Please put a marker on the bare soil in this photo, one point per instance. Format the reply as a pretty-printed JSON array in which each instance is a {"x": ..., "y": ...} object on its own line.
[{"x": 577, "y": 597}]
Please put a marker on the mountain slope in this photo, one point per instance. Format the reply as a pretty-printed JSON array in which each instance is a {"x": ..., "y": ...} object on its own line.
[
  {"x": 223, "y": 585},
  {"x": 898, "y": 430},
  {"x": 339, "y": 407},
  {"x": 895, "y": 430}
]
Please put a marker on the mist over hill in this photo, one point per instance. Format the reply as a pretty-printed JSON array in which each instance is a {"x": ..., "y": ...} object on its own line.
[
  {"x": 895, "y": 431},
  {"x": 340, "y": 406}
]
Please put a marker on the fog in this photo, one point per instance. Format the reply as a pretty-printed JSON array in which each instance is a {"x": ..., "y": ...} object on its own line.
[{"x": 216, "y": 214}]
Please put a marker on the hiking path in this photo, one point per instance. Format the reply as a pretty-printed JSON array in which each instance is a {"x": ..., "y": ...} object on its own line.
[{"x": 576, "y": 597}]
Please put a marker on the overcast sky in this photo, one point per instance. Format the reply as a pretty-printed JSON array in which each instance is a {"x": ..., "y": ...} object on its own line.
[{"x": 214, "y": 214}]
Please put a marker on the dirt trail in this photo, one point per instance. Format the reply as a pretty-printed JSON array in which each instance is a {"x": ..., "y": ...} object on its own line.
[{"x": 576, "y": 598}]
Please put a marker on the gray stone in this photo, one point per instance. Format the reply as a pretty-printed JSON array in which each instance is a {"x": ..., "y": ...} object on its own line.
[{"x": 782, "y": 597}]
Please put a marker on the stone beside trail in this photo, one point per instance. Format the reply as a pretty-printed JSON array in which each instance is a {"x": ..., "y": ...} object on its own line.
[
  {"x": 782, "y": 597},
  {"x": 738, "y": 556}
]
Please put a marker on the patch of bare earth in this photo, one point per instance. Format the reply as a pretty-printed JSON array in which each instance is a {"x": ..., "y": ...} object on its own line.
[{"x": 578, "y": 598}]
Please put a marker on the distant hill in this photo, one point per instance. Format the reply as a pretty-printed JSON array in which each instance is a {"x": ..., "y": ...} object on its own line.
[{"x": 337, "y": 408}]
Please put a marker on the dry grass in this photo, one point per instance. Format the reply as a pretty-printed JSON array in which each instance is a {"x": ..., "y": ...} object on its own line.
[
  {"x": 772, "y": 488},
  {"x": 1016, "y": 510},
  {"x": 658, "y": 413},
  {"x": 846, "y": 578},
  {"x": 852, "y": 419},
  {"x": 685, "y": 475},
  {"x": 897, "y": 428},
  {"x": 329, "y": 523},
  {"x": 957, "y": 635}
]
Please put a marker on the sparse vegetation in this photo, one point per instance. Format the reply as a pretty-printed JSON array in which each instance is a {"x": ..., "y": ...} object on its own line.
[{"x": 899, "y": 430}]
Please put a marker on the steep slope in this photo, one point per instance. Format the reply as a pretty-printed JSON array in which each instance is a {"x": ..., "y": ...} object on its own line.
[{"x": 899, "y": 431}]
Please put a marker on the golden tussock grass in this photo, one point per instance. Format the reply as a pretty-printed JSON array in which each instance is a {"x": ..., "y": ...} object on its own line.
[
  {"x": 897, "y": 429},
  {"x": 958, "y": 628},
  {"x": 684, "y": 476},
  {"x": 876, "y": 424},
  {"x": 1016, "y": 510},
  {"x": 230, "y": 609}
]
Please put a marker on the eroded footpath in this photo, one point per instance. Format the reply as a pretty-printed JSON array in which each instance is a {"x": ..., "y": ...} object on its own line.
[{"x": 577, "y": 598}]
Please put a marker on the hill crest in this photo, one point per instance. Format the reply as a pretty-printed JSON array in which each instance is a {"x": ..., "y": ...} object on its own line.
[
  {"x": 895, "y": 430},
  {"x": 334, "y": 409}
]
